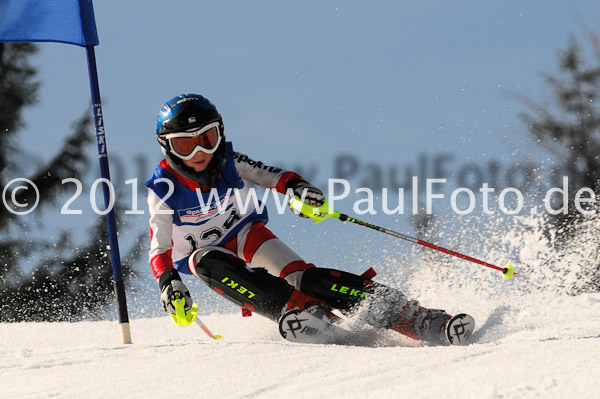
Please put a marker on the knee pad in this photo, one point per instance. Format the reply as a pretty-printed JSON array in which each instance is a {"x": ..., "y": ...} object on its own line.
[
  {"x": 196, "y": 257},
  {"x": 252, "y": 289}
]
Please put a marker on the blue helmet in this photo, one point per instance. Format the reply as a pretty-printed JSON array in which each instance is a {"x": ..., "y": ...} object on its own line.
[{"x": 185, "y": 112}]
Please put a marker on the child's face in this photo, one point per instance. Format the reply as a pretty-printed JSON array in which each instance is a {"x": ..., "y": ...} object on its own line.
[{"x": 199, "y": 162}]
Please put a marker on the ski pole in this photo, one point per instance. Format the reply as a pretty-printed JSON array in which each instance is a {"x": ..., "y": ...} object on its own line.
[
  {"x": 183, "y": 318},
  {"x": 206, "y": 330},
  {"x": 318, "y": 214}
]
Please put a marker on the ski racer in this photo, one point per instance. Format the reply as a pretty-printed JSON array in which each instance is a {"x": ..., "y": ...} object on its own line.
[{"x": 199, "y": 227}]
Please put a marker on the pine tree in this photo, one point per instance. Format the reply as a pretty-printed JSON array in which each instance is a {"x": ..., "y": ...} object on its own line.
[
  {"x": 68, "y": 282},
  {"x": 569, "y": 127}
]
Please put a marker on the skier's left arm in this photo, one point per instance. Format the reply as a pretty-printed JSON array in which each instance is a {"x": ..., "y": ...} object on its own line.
[{"x": 282, "y": 180}]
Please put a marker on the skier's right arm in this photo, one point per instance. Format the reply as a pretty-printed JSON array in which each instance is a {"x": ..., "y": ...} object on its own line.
[{"x": 161, "y": 246}]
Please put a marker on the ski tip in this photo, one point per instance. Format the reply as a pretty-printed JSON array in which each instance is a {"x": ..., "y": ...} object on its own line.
[
  {"x": 303, "y": 327},
  {"x": 459, "y": 329},
  {"x": 295, "y": 321}
]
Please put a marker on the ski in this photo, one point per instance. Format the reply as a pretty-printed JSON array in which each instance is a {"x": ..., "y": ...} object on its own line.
[{"x": 303, "y": 327}]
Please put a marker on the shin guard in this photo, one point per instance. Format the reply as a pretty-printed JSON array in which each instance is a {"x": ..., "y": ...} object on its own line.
[
  {"x": 346, "y": 291},
  {"x": 252, "y": 289},
  {"x": 336, "y": 288}
]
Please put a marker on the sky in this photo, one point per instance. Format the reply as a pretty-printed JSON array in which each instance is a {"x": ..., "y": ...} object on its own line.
[
  {"x": 383, "y": 83},
  {"x": 327, "y": 88}
]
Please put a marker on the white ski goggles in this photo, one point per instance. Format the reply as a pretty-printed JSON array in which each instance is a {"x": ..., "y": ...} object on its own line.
[{"x": 186, "y": 144}]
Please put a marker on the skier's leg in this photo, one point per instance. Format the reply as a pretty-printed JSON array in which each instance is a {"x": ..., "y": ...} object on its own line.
[
  {"x": 257, "y": 245},
  {"x": 385, "y": 307},
  {"x": 252, "y": 289},
  {"x": 379, "y": 305}
]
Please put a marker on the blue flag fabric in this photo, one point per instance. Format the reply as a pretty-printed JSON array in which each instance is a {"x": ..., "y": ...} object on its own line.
[{"x": 64, "y": 21}]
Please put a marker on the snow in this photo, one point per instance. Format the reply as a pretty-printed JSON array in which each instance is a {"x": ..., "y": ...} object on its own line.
[
  {"x": 533, "y": 340},
  {"x": 526, "y": 346}
]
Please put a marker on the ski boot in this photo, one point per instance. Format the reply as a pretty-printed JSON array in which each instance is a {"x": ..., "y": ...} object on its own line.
[
  {"x": 433, "y": 326},
  {"x": 304, "y": 302}
]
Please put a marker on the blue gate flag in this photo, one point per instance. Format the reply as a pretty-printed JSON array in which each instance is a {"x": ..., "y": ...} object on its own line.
[{"x": 64, "y": 21}]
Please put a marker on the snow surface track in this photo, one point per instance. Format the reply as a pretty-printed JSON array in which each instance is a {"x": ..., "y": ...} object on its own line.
[
  {"x": 529, "y": 347},
  {"x": 532, "y": 339}
]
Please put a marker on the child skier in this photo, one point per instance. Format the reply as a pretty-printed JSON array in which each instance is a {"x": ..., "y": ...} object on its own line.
[{"x": 198, "y": 227}]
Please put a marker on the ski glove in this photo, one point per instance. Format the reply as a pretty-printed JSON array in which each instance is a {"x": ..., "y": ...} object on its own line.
[
  {"x": 310, "y": 194},
  {"x": 170, "y": 283}
]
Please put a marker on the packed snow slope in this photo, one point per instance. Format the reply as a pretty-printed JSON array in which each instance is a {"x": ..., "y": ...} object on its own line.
[
  {"x": 533, "y": 339},
  {"x": 530, "y": 347}
]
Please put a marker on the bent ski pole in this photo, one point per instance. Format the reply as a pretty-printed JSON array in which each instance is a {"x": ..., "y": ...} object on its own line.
[
  {"x": 318, "y": 214},
  {"x": 183, "y": 318}
]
